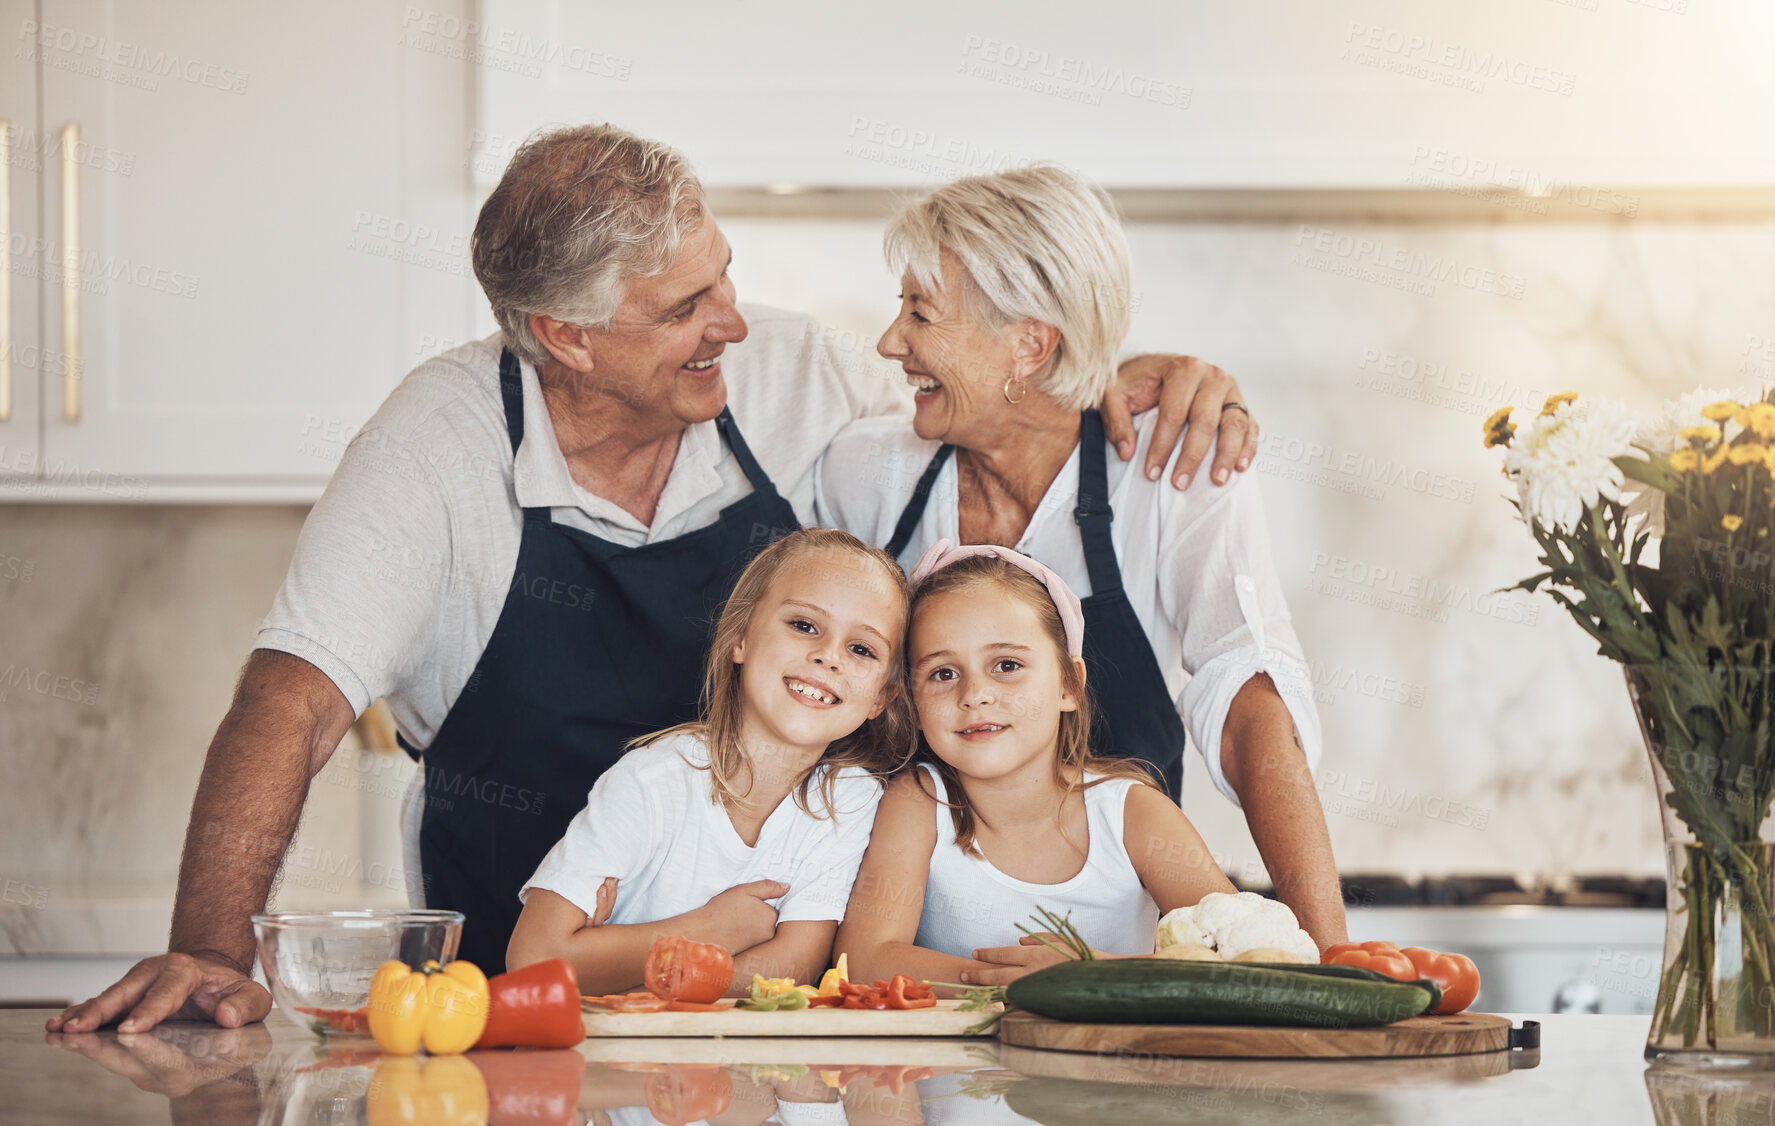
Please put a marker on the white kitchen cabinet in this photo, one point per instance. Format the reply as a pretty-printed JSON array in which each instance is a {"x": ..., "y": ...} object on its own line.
[
  {"x": 268, "y": 216},
  {"x": 1547, "y": 97},
  {"x": 20, "y": 349}
]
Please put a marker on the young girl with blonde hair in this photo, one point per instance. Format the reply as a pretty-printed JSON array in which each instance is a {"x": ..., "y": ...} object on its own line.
[
  {"x": 746, "y": 827},
  {"x": 1007, "y": 809}
]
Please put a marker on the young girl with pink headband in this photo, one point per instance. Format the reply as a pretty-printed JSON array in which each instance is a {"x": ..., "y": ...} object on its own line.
[{"x": 1007, "y": 809}]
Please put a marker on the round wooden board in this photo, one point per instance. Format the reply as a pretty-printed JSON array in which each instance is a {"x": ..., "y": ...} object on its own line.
[{"x": 1459, "y": 1035}]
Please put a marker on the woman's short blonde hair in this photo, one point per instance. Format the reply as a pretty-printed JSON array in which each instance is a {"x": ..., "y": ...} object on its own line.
[{"x": 1036, "y": 242}]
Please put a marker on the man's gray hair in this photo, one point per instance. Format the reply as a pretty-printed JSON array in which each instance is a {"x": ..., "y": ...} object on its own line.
[
  {"x": 579, "y": 212},
  {"x": 1037, "y": 242}
]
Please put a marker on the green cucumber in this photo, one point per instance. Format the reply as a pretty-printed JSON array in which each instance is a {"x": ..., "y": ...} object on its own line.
[
  {"x": 1163, "y": 991},
  {"x": 1354, "y": 973}
]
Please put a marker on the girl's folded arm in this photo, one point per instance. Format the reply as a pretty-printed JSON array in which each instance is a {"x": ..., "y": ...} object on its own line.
[
  {"x": 801, "y": 949},
  {"x": 1169, "y": 856},
  {"x": 887, "y": 900},
  {"x": 607, "y": 959}
]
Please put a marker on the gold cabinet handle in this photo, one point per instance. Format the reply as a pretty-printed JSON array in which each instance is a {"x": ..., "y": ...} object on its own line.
[
  {"x": 6, "y": 274},
  {"x": 70, "y": 273}
]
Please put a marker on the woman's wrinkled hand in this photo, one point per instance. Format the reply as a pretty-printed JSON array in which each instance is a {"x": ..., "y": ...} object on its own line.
[{"x": 1188, "y": 392}]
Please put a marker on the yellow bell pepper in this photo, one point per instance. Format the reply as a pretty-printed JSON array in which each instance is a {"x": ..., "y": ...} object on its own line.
[
  {"x": 448, "y": 1091},
  {"x": 442, "y": 1007},
  {"x": 834, "y": 977}
]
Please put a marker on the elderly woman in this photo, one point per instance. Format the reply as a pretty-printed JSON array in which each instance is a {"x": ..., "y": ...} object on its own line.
[{"x": 1014, "y": 304}]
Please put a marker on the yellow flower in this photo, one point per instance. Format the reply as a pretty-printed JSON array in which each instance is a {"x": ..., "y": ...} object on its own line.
[
  {"x": 1553, "y": 402},
  {"x": 1747, "y": 453},
  {"x": 1720, "y": 411},
  {"x": 1499, "y": 429},
  {"x": 1699, "y": 433},
  {"x": 1731, "y": 523},
  {"x": 1714, "y": 460},
  {"x": 1685, "y": 461},
  {"x": 1759, "y": 419}
]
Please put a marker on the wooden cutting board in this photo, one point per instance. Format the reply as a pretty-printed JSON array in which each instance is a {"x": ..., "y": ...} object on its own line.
[
  {"x": 1462, "y": 1034},
  {"x": 944, "y": 1020}
]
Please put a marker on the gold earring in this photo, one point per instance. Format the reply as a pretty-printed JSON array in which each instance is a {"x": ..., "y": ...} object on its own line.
[{"x": 1024, "y": 395}]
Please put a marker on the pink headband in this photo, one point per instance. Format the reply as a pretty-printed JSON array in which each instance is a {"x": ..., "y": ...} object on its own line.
[{"x": 1072, "y": 614}]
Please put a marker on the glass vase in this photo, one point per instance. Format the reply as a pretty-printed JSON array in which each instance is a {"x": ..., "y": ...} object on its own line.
[{"x": 1715, "y": 1004}]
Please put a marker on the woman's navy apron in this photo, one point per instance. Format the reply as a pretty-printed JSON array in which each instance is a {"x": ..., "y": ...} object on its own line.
[
  {"x": 596, "y": 644},
  {"x": 1133, "y": 715}
]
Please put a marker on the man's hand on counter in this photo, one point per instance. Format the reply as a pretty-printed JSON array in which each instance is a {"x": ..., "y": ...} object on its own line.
[{"x": 170, "y": 987}]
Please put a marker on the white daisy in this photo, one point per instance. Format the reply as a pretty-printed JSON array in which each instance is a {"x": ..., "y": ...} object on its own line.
[
  {"x": 1662, "y": 434},
  {"x": 1563, "y": 463}
]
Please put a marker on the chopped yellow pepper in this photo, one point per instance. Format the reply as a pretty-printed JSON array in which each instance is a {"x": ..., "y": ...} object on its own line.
[
  {"x": 836, "y": 976},
  {"x": 442, "y": 1007},
  {"x": 449, "y": 1091}
]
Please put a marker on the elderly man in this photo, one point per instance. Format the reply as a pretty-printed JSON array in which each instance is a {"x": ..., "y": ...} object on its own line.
[{"x": 523, "y": 549}]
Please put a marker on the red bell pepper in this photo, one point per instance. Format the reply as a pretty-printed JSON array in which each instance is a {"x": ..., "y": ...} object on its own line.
[{"x": 535, "y": 1007}]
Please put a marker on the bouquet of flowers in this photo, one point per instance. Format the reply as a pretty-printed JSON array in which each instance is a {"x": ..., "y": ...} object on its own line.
[{"x": 1693, "y": 622}]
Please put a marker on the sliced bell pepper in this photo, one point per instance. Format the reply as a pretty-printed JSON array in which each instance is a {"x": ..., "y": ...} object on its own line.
[
  {"x": 630, "y": 1002},
  {"x": 904, "y": 993},
  {"x": 535, "y": 1007},
  {"x": 338, "y": 1020},
  {"x": 834, "y": 977},
  {"x": 443, "y": 1008}
]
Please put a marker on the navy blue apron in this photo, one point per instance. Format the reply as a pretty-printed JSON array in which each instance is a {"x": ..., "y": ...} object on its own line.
[
  {"x": 1133, "y": 715},
  {"x": 596, "y": 644}
]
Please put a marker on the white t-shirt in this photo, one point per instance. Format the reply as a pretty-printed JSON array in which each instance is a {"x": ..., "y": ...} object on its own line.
[
  {"x": 970, "y": 904},
  {"x": 652, "y": 822},
  {"x": 404, "y": 563},
  {"x": 1195, "y": 564}
]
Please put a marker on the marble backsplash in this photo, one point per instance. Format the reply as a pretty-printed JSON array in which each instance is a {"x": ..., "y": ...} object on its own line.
[{"x": 1466, "y": 731}]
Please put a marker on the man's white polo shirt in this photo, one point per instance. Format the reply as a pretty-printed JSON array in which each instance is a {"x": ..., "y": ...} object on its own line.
[{"x": 405, "y": 562}]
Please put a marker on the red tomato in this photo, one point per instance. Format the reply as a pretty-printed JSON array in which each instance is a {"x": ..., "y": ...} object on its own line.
[
  {"x": 1455, "y": 973},
  {"x": 678, "y": 969},
  {"x": 535, "y": 1007},
  {"x": 1381, "y": 957},
  {"x": 686, "y": 1093}
]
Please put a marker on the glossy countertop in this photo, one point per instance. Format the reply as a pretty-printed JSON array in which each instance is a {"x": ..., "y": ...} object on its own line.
[{"x": 1589, "y": 1069}]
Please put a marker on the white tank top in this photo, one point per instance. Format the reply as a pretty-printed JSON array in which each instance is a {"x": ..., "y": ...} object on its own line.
[{"x": 969, "y": 904}]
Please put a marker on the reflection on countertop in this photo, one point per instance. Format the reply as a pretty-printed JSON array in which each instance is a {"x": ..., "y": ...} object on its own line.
[{"x": 1589, "y": 1070}]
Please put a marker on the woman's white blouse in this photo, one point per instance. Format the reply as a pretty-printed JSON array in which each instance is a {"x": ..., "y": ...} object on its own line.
[{"x": 1195, "y": 564}]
